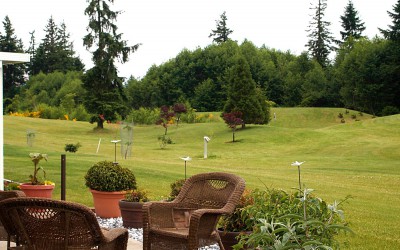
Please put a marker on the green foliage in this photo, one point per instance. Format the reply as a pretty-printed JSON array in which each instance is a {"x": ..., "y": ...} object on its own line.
[
  {"x": 136, "y": 195},
  {"x": 72, "y": 147},
  {"x": 238, "y": 221},
  {"x": 222, "y": 32},
  {"x": 390, "y": 110},
  {"x": 163, "y": 140},
  {"x": 351, "y": 23},
  {"x": 392, "y": 33},
  {"x": 176, "y": 187},
  {"x": 109, "y": 177},
  {"x": 292, "y": 220},
  {"x": 104, "y": 94},
  {"x": 145, "y": 116}
]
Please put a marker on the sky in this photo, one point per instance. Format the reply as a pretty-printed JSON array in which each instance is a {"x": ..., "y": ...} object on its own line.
[{"x": 166, "y": 27}]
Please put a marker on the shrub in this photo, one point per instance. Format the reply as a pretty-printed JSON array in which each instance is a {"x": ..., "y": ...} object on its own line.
[
  {"x": 72, "y": 147},
  {"x": 109, "y": 177},
  {"x": 163, "y": 140},
  {"x": 390, "y": 110},
  {"x": 292, "y": 221},
  {"x": 176, "y": 187},
  {"x": 144, "y": 116},
  {"x": 136, "y": 195},
  {"x": 340, "y": 115}
]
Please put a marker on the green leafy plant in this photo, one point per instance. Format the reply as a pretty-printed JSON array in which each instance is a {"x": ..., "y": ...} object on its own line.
[
  {"x": 34, "y": 178},
  {"x": 176, "y": 187},
  {"x": 72, "y": 147},
  {"x": 136, "y": 195},
  {"x": 163, "y": 140},
  {"x": 109, "y": 177},
  {"x": 238, "y": 221}
]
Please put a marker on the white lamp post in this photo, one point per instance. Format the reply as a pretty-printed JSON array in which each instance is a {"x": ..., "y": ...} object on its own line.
[
  {"x": 115, "y": 151},
  {"x": 206, "y": 140},
  {"x": 186, "y": 158}
]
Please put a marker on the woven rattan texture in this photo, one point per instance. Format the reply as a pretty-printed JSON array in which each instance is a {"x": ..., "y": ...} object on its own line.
[
  {"x": 51, "y": 224},
  {"x": 207, "y": 196}
]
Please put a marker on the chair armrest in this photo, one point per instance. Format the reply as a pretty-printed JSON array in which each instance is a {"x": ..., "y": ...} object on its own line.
[
  {"x": 206, "y": 220},
  {"x": 158, "y": 214}
]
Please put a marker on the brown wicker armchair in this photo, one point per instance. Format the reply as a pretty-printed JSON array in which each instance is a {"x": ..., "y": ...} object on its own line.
[
  {"x": 52, "y": 224},
  {"x": 190, "y": 221},
  {"x": 4, "y": 236}
]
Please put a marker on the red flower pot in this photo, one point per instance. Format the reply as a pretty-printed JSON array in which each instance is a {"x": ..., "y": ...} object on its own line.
[{"x": 106, "y": 203}]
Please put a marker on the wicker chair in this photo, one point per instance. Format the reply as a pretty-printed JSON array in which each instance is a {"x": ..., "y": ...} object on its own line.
[
  {"x": 4, "y": 236},
  {"x": 190, "y": 221},
  {"x": 52, "y": 224}
]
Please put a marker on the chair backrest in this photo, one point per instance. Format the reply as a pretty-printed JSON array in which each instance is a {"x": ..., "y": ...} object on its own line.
[
  {"x": 212, "y": 190},
  {"x": 50, "y": 224},
  {"x": 6, "y": 195}
]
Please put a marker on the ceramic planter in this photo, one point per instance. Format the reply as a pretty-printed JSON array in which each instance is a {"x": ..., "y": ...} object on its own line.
[
  {"x": 106, "y": 203},
  {"x": 42, "y": 191},
  {"x": 131, "y": 213}
]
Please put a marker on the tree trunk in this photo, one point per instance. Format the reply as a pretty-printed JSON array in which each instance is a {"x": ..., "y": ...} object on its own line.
[{"x": 100, "y": 124}]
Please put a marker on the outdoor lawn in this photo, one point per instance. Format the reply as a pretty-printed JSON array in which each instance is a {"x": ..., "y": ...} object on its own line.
[{"x": 360, "y": 158}]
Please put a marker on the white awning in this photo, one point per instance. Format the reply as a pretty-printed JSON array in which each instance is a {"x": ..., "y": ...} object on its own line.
[{"x": 6, "y": 58}]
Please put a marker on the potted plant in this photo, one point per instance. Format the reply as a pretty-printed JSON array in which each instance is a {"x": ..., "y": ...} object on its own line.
[
  {"x": 37, "y": 186},
  {"x": 233, "y": 225},
  {"x": 131, "y": 208},
  {"x": 108, "y": 182}
]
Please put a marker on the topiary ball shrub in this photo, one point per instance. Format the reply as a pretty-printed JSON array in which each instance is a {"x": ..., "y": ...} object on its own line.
[{"x": 109, "y": 177}]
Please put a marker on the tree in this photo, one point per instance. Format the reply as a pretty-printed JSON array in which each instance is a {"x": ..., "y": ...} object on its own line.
[
  {"x": 179, "y": 109},
  {"x": 393, "y": 31},
  {"x": 222, "y": 32},
  {"x": 233, "y": 119},
  {"x": 13, "y": 75},
  {"x": 242, "y": 94},
  {"x": 166, "y": 115},
  {"x": 351, "y": 23},
  {"x": 105, "y": 96},
  {"x": 55, "y": 53},
  {"x": 320, "y": 43}
]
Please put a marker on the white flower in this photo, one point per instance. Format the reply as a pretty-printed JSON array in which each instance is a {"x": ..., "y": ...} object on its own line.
[
  {"x": 186, "y": 158},
  {"x": 297, "y": 164}
]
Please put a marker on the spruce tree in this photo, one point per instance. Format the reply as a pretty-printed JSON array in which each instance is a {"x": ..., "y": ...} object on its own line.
[
  {"x": 320, "y": 43},
  {"x": 13, "y": 75},
  {"x": 393, "y": 31},
  {"x": 351, "y": 23},
  {"x": 105, "y": 96},
  {"x": 221, "y": 34},
  {"x": 243, "y": 95}
]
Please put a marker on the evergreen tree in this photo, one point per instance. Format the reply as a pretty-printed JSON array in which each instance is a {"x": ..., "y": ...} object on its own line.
[
  {"x": 105, "y": 96},
  {"x": 13, "y": 75},
  {"x": 32, "y": 51},
  {"x": 243, "y": 96},
  {"x": 393, "y": 31},
  {"x": 320, "y": 43},
  {"x": 222, "y": 32},
  {"x": 351, "y": 23},
  {"x": 55, "y": 52}
]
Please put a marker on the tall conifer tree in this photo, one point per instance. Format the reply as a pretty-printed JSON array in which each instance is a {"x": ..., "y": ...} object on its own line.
[
  {"x": 13, "y": 75},
  {"x": 221, "y": 34},
  {"x": 393, "y": 31},
  {"x": 105, "y": 94},
  {"x": 320, "y": 43},
  {"x": 351, "y": 23}
]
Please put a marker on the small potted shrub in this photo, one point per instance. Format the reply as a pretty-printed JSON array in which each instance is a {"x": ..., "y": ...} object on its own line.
[
  {"x": 108, "y": 183},
  {"x": 131, "y": 208},
  {"x": 233, "y": 225},
  {"x": 38, "y": 186}
]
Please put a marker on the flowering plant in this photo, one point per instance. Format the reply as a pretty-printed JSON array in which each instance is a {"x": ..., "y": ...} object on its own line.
[
  {"x": 34, "y": 180},
  {"x": 136, "y": 195}
]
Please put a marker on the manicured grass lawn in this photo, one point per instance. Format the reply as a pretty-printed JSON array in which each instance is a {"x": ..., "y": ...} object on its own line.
[{"x": 357, "y": 158}]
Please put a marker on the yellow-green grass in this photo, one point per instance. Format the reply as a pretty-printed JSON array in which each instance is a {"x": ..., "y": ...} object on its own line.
[{"x": 357, "y": 158}]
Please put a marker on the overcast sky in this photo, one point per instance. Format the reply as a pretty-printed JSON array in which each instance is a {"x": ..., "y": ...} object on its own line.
[{"x": 165, "y": 27}]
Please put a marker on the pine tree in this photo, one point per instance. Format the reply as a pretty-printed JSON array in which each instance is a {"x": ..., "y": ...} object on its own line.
[
  {"x": 222, "y": 32},
  {"x": 320, "y": 43},
  {"x": 351, "y": 23},
  {"x": 393, "y": 32},
  {"x": 13, "y": 75},
  {"x": 105, "y": 95},
  {"x": 243, "y": 95}
]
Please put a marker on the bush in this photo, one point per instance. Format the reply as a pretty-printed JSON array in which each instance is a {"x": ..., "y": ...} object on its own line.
[
  {"x": 144, "y": 116},
  {"x": 292, "y": 221},
  {"x": 136, "y": 196},
  {"x": 72, "y": 147},
  {"x": 390, "y": 110},
  {"x": 109, "y": 177},
  {"x": 176, "y": 188}
]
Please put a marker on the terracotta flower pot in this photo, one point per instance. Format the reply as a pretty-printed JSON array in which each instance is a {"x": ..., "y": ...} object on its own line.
[
  {"x": 43, "y": 191},
  {"x": 106, "y": 203},
  {"x": 131, "y": 212}
]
